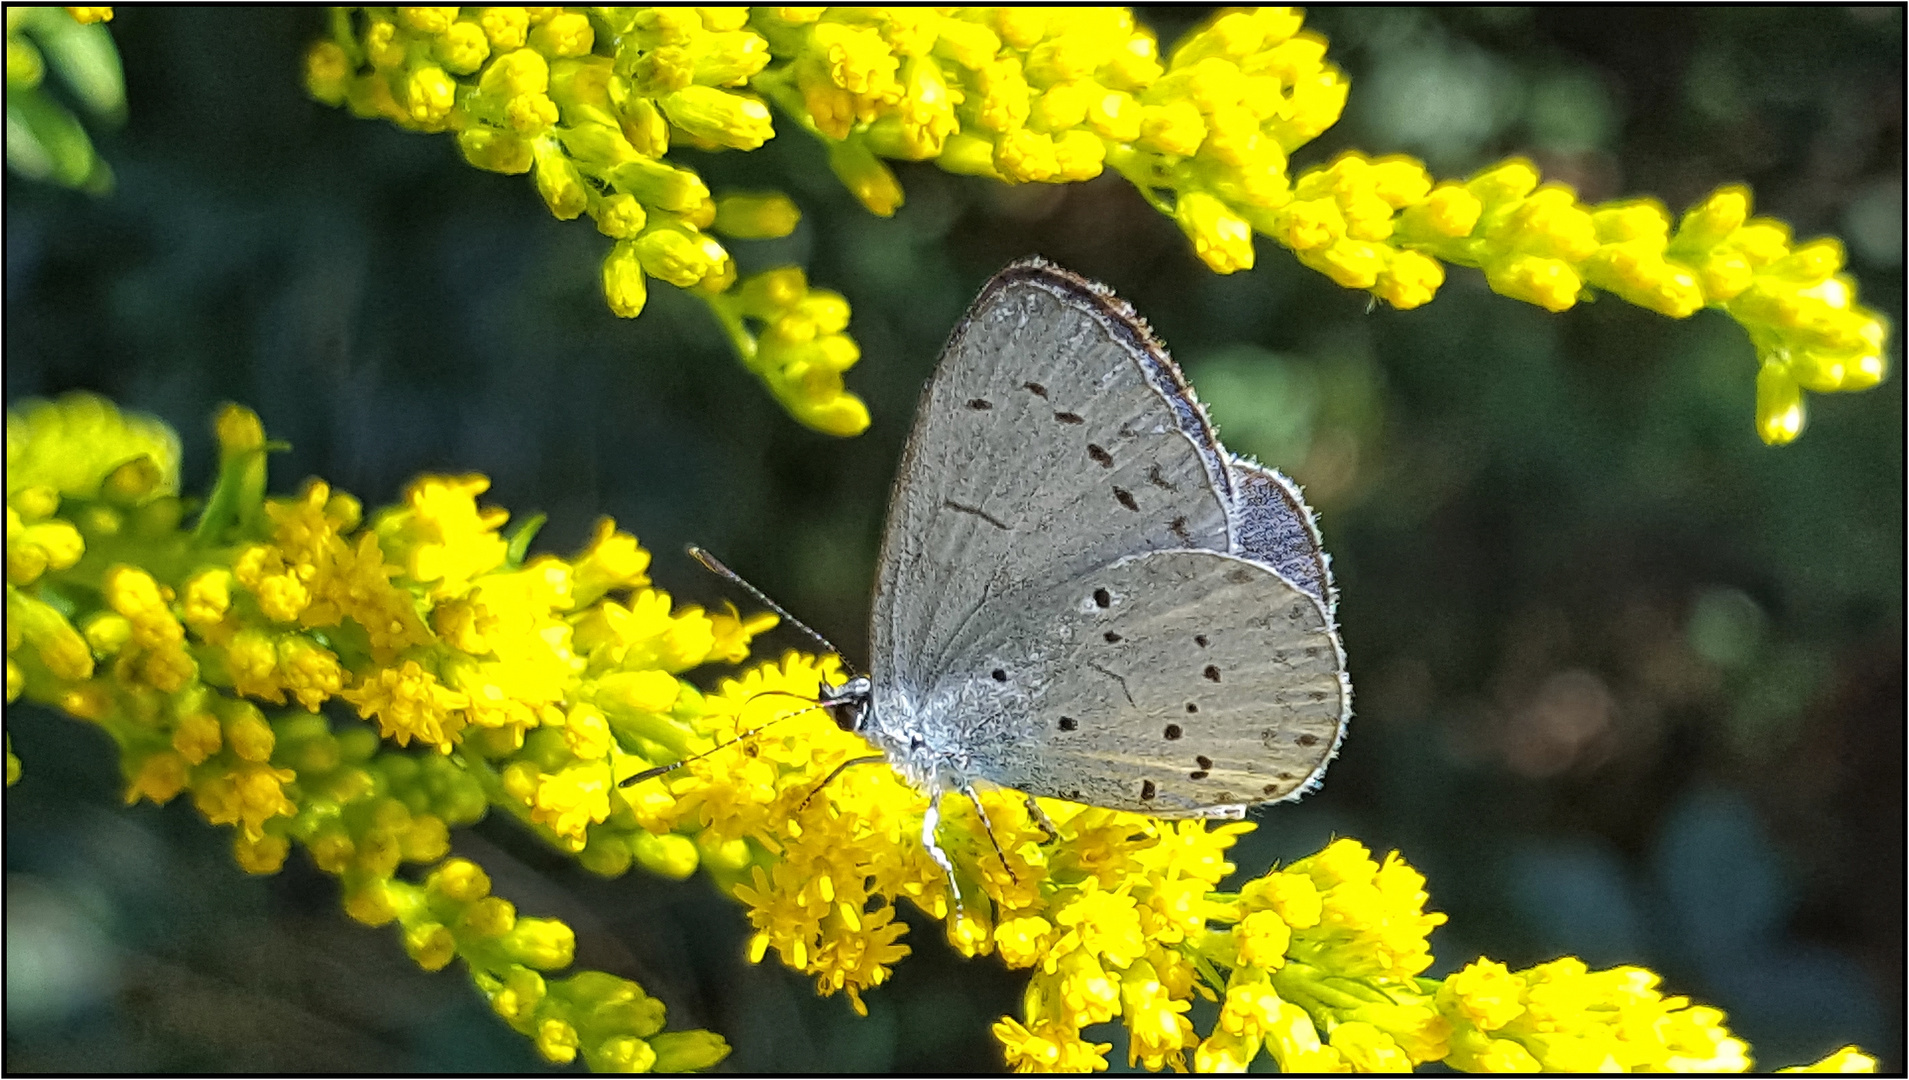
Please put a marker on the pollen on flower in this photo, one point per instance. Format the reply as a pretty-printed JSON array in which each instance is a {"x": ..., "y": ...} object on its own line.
[
  {"x": 569, "y": 801},
  {"x": 247, "y": 796},
  {"x": 264, "y": 855},
  {"x": 1486, "y": 994},
  {"x": 159, "y": 777},
  {"x": 409, "y": 703},
  {"x": 443, "y": 537}
]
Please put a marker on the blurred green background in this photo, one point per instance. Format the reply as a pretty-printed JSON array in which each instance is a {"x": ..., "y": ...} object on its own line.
[{"x": 1630, "y": 683}]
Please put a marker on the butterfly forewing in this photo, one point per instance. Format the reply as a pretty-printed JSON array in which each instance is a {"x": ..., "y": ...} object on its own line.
[{"x": 1044, "y": 447}]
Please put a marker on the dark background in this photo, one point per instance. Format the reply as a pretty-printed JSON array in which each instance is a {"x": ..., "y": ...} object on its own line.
[{"x": 1630, "y": 683}]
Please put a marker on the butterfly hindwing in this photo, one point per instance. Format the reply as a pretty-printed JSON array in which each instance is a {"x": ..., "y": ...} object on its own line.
[
  {"x": 1173, "y": 683},
  {"x": 1274, "y": 526}
]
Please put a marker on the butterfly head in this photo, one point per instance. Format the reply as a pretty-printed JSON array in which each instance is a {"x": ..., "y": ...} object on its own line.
[{"x": 847, "y": 704}]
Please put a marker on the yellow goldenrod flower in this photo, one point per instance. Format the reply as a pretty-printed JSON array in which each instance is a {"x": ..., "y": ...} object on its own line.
[
  {"x": 1051, "y": 96},
  {"x": 1485, "y": 994},
  {"x": 73, "y": 444},
  {"x": 538, "y": 683},
  {"x": 1849, "y": 1059}
]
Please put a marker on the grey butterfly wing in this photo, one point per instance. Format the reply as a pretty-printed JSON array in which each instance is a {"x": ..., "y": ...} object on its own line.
[
  {"x": 1174, "y": 683},
  {"x": 1054, "y": 437},
  {"x": 1273, "y": 525}
]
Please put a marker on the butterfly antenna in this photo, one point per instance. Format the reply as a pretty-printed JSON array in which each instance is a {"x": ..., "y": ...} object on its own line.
[
  {"x": 715, "y": 566},
  {"x": 651, "y": 774}
]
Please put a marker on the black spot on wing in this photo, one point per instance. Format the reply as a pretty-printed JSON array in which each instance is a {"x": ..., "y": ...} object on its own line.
[
  {"x": 1100, "y": 456},
  {"x": 1069, "y": 418},
  {"x": 1146, "y": 789},
  {"x": 1036, "y": 389},
  {"x": 980, "y": 404},
  {"x": 1172, "y": 731},
  {"x": 1125, "y": 498}
]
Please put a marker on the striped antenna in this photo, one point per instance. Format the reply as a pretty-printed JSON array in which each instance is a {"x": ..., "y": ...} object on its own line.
[
  {"x": 715, "y": 566},
  {"x": 650, "y": 774}
]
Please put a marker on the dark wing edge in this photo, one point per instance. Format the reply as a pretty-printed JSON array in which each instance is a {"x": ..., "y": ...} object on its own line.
[{"x": 1162, "y": 374}]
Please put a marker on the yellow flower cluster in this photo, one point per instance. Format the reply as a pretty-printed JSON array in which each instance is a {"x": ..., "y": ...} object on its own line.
[
  {"x": 1318, "y": 964},
  {"x": 1374, "y": 224},
  {"x": 1562, "y": 1017},
  {"x": 589, "y": 103},
  {"x": 543, "y": 686},
  {"x": 518, "y": 674},
  {"x": 793, "y": 336},
  {"x": 591, "y": 99}
]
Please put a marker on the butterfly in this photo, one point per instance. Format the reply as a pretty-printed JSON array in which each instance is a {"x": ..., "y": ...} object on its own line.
[{"x": 1081, "y": 595}]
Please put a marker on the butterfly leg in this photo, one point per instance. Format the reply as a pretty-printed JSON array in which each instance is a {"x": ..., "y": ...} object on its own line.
[
  {"x": 837, "y": 771},
  {"x": 975, "y": 798},
  {"x": 1039, "y": 817},
  {"x": 930, "y": 825}
]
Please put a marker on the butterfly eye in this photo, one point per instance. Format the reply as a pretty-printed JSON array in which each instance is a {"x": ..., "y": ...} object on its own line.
[{"x": 847, "y": 714}]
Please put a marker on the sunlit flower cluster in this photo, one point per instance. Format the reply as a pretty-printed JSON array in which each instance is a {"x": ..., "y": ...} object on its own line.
[
  {"x": 206, "y": 650},
  {"x": 1372, "y": 224},
  {"x": 482, "y": 676},
  {"x": 1120, "y": 918},
  {"x": 590, "y": 101}
]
